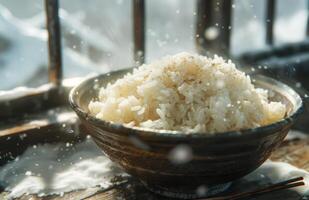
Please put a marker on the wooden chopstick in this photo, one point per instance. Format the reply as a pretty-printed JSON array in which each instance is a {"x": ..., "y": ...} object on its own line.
[
  {"x": 289, "y": 181},
  {"x": 266, "y": 190},
  {"x": 294, "y": 182}
]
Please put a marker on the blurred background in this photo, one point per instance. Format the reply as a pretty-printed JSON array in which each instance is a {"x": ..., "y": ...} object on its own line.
[{"x": 97, "y": 35}]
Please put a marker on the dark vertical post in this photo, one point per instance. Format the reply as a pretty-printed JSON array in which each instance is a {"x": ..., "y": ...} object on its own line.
[
  {"x": 226, "y": 21},
  {"x": 54, "y": 41},
  {"x": 204, "y": 19},
  {"x": 139, "y": 31},
  {"x": 307, "y": 26},
  {"x": 213, "y": 28},
  {"x": 270, "y": 17}
]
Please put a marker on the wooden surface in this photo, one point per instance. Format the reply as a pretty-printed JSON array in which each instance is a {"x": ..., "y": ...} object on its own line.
[
  {"x": 295, "y": 152},
  {"x": 26, "y": 119}
]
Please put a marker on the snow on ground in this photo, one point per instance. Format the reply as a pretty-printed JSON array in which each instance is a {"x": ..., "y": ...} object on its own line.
[{"x": 58, "y": 168}]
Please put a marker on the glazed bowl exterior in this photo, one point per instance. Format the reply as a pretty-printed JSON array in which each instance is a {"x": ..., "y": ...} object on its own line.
[{"x": 216, "y": 158}]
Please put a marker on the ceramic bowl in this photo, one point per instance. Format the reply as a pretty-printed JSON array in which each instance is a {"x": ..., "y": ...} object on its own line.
[{"x": 215, "y": 159}]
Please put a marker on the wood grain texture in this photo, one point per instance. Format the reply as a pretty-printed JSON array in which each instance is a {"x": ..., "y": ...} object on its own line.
[
  {"x": 295, "y": 152},
  {"x": 43, "y": 127}
]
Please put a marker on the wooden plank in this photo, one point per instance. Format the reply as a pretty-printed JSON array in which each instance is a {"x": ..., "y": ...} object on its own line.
[
  {"x": 131, "y": 191},
  {"x": 60, "y": 115},
  {"x": 17, "y": 103},
  {"x": 54, "y": 125},
  {"x": 307, "y": 25},
  {"x": 139, "y": 31},
  {"x": 213, "y": 26},
  {"x": 76, "y": 195},
  {"x": 203, "y": 21},
  {"x": 295, "y": 152},
  {"x": 270, "y": 19},
  {"x": 54, "y": 41}
]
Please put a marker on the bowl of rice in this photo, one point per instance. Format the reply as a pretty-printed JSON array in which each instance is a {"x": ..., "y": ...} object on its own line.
[{"x": 186, "y": 121}]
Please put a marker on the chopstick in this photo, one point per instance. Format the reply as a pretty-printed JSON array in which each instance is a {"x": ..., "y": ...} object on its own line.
[{"x": 294, "y": 182}]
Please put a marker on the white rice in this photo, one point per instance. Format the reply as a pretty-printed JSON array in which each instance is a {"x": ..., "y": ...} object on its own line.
[{"x": 187, "y": 92}]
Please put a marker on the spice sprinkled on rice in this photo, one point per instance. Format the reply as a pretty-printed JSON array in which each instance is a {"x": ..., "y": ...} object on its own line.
[{"x": 187, "y": 92}]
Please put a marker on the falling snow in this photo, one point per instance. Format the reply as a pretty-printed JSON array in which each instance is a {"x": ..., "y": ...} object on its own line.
[
  {"x": 181, "y": 154},
  {"x": 211, "y": 33},
  {"x": 201, "y": 190},
  {"x": 298, "y": 85}
]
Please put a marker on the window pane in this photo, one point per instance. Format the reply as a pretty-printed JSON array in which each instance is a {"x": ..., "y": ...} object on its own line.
[
  {"x": 292, "y": 20},
  {"x": 170, "y": 27},
  {"x": 248, "y": 26},
  {"x": 23, "y": 53},
  {"x": 97, "y": 36}
]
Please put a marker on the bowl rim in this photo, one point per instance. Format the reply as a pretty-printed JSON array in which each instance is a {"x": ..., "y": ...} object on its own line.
[{"x": 261, "y": 131}]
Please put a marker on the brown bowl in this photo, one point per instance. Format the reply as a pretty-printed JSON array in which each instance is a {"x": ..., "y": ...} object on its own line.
[{"x": 216, "y": 158}]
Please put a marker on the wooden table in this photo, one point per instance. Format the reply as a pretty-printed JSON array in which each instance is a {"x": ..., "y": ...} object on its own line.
[
  {"x": 36, "y": 112},
  {"x": 294, "y": 151}
]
